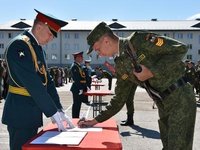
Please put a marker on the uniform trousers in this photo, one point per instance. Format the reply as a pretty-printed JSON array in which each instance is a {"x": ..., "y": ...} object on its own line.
[
  {"x": 76, "y": 106},
  {"x": 177, "y": 114},
  {"x": 19, "y": 136},
  {"x": 130, "y": 101}
]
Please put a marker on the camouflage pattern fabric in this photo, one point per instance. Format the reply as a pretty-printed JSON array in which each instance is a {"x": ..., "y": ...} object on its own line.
[{"x": 162, "y": 56}]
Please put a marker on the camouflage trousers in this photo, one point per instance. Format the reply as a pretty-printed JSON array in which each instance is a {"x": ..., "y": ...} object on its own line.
[
  {"x": 177, "y": 115},
  {"x": 130, "y": 100}
]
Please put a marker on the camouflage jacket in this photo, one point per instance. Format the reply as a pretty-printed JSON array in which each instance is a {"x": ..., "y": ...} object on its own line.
[{"x": 162, "y": 55}]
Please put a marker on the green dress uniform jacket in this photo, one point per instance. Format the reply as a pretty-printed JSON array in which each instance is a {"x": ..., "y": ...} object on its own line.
[
  {"x": 162, "y": 55},
  {"x": 26, "y": 111}
]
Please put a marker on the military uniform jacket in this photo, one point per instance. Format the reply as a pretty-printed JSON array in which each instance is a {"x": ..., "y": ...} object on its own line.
[
  {"x": 160, "y": 54},
  {"x": 87, "y": 72},
  {"x": 26, "y": 111},
  {"x": 79, "y": 78}
]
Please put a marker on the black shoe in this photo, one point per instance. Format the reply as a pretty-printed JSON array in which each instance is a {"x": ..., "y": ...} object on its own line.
[
  {"x": 87, "y": 103},
  {"x": 127, "y": 123},
  {"x": 123, "y": 121}
]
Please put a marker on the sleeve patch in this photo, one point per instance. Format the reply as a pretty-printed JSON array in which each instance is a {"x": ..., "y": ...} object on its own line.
[{"x": 124, "y": 76}]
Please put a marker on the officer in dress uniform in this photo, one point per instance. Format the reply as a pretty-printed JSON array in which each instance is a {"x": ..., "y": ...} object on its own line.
[
  {"x": 155, "y": 63},
  {"x": 88, "y": 72},
  {"x": 79, "y": 85},
  {"x": 31, "y": 89}
]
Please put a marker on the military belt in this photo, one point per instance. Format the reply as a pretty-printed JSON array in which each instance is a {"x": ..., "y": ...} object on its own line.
[
  {"x": 18, "y": 90},
  {"x": 157, "y": 95},
  {"x": 83, "y": 81},
  {"x": 179, "y": 83}
]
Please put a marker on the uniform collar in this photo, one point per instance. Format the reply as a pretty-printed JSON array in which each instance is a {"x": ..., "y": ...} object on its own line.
[{"x": 30, "y": 31}]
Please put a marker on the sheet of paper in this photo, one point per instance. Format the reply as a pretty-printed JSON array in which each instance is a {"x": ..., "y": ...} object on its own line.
[
  {"x": 55, "y": 137},
  {"x": 93, "y": 129}
]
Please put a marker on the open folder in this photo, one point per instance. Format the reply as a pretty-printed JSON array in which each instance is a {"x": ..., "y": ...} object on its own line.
[{"x": 55, "y": 137}]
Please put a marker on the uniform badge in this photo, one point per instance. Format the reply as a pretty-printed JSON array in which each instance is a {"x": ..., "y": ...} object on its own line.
[
  {"x": 21, "y": 54},
  {"x": 155, "y": 39},
  {"x": 159, "y": 42},
  {"x": 141, "y": 57},
  {"x": 124, "y": 76}
]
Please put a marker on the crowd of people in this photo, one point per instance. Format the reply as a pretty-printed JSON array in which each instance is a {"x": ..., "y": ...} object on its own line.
[
  {"x": 192, "y": 75},
  {"x": 3, "y": 79}
]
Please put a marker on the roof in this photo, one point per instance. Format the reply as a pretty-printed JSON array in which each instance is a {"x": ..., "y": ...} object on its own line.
[{"x": 119, "y": 25}]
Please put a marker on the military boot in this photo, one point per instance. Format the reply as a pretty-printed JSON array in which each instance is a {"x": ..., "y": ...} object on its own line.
[{"x": 128, "y": 122}]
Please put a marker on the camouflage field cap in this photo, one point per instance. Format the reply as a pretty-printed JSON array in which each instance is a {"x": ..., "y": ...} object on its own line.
[{"x": 96, "y": 33}]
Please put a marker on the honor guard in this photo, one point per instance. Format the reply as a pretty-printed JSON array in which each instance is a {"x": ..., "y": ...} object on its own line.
[{"x": 79, "y": 85}]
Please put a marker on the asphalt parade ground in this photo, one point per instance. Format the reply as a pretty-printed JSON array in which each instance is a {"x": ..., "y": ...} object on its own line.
[{"x": 144, "y": 135}]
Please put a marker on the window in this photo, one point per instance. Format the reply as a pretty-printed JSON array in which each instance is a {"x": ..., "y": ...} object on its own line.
[
  {"x": 189, "y": 46},
  {"x": 76, "y": 36},
  {"x": 1, "y": 46},
  {"x": 189, "y": 57},
  {"x": 190, "y": 36},
  {"x": 199, "y": 51},
  {"x": 54, "y": 57},
  {"x": 67, "y": 56},
  {"x": 179, "y": 35},
  {"x": 9, "y": 35},
  {"x": 67, "y": 36},
  {"x": 1, "y": 36}
]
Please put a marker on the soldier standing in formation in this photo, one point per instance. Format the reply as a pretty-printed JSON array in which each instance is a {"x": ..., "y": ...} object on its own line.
[
  {"x": 160, "y": 71},
  {"x": 79, "y": 85},
  {"x": 88, "y": 73},
  {"x": 31, "y": 89}
]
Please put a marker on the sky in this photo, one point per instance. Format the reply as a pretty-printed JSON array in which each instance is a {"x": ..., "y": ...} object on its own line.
[{"x": 101, "y": 10}]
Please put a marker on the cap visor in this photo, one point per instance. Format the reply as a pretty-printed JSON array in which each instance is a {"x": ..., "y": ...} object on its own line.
[
  {"x": 90, "y": 50},
  {"x": 53, "y": 32}
]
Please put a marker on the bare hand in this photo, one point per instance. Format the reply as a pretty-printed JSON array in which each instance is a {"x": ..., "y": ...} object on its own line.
[
  {"x": 144, "y": 75},
  {"x": 86, "y": 123}
]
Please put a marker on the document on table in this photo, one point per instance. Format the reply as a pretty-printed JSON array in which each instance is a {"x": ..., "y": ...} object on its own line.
[
  {"x": 90, "y": 129},
  {"x": 55, "y": 137}
]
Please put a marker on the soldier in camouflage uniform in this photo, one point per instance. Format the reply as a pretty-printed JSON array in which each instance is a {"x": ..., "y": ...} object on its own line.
[{"x": 161, "y": 74}]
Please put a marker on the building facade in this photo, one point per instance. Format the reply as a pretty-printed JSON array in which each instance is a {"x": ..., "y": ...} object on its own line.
[{"x": 72, "y": 37}]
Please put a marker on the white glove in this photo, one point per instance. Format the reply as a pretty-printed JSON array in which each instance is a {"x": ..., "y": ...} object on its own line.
[
  {"x": 80, "y": 92},
  {"x": 64, "y": 117},
  {"x": 58, "y": 120}
]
